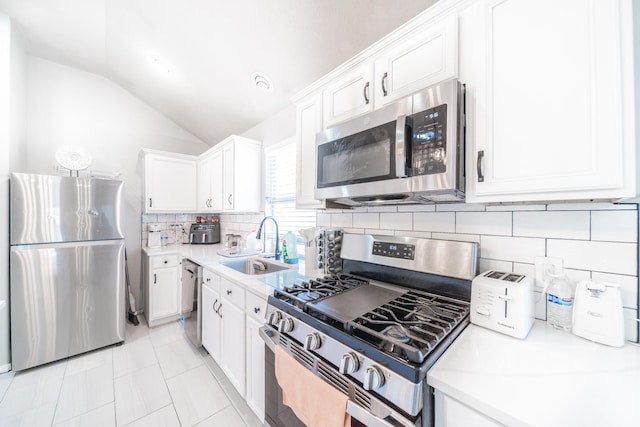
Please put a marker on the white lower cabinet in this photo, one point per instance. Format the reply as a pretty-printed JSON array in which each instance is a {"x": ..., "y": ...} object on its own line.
[
  {"x": 255, "y": 308},
  {"x": 162, "y": 288},
  {"x": 452, "y": 413},
  {"x": 211, "y": 320},
  {"x": 233, "y": 333}
]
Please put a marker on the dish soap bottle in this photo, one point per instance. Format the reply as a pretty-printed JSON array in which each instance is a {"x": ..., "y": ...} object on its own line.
[
  {"x": 560, "y": 303},
  {"x": 291, "y": 253}
]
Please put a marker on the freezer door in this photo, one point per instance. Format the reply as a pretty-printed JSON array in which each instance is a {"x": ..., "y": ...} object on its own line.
[
  {"x": 48, "y": 209},
  {"x": 66, "y": 299}
]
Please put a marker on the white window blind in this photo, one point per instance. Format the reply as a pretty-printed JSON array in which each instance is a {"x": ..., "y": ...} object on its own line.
[{"x": 280, "y": 189}]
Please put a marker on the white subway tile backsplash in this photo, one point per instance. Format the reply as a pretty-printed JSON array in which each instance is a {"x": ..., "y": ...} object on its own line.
[
  {"x": 358, "y": 231},
  {"x": 517, "y": 249},
  {"x": 166, "y": 218},
  {"x": 420, "y": 234},
  {"x": 460, "y": 207},
  {"x": 614, "y": 226},
  {"x": 342, "y": 220},
  {"x": 441, "y": 222},
  {"x": 382, "y": 209},
  {"x": 608, "y": 257},
  {"x": 381, "y": 232},
  {"x": 515, "y": 208},
  {"x": 149, "y": 218},
  {"x": 628, "y": 286},
  {"x": 494, "y": 223},
  {"x": 589, "y": 206},
  {"x": 366, "y": 220},
  {"x": 396, "y": 221},
  {"x": 492, "y": 264},
  {"x": 556, "y": 224},
  {"x": 417, "y": 208},
  {"x": 323, "y": 219}
]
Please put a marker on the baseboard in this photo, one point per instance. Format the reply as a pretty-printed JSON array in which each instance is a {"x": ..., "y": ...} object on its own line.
[{"x": 5, "y": 368}]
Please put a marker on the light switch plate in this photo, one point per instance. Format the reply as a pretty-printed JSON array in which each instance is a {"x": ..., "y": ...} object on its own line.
[{"x": 544, "y": 267}]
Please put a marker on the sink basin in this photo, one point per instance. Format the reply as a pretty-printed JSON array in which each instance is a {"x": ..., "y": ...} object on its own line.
[{"x": 257, "y": 266}]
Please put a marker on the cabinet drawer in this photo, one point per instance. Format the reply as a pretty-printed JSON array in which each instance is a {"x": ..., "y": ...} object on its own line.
[
  {"x": 211, "y": 279},
  {"x": 161, "y": 261},
  {"x": 232, "y": 292},
  {"x": 256, "y": 307}
]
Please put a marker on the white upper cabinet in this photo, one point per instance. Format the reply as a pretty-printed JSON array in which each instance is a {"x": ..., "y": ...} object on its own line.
[
  {"x": 409, "y": 62},
  {"x": 550, "y": 100},
  {"x": 349, "y": 95},
  {"x": 170, "y": 182},
  {"x": 241, "y": 174},
  {"x": 426, "y": 57},
  {"x": 309, "y": 123},
  {"x": 210, "y": 182}
]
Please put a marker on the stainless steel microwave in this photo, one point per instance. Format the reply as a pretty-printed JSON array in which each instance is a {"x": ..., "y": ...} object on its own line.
[{"x": 411, "y": 151}]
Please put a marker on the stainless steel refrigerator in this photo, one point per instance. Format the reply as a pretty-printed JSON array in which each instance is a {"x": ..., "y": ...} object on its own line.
[{"x": 66, "y": 266}]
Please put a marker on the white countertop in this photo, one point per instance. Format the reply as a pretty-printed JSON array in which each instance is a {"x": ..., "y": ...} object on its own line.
[
  {"x": 552, "y": 378},
  {"x": 207, "y": 256}
]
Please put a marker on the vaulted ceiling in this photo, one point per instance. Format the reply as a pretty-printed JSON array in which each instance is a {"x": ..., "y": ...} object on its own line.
[{"x": 193, "y": 60}]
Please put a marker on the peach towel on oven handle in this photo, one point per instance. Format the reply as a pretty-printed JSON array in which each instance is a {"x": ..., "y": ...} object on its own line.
[{"x": 314, "y": 401}]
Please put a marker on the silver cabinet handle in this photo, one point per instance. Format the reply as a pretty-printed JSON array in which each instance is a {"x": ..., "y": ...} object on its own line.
[
  {"x": 214, "y": 305},
  {"x": 155, "y": 278},
  {"x": 479, "y": 165},
  {"x": 229, "y": 291},
  {"x": 230, "y": 198},
  {"x": 256, "y": 310},
  {"x": 366, "y": 93},
  {"x": 382, "y": 82},
  {"x": 150, "y": 202}
]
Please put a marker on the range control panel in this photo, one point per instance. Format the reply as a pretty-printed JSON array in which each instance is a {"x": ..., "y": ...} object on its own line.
[{"x": 394, "y": 250}]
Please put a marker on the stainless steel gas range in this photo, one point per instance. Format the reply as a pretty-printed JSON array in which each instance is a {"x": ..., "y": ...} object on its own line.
[{"x": 374, "y": 331}]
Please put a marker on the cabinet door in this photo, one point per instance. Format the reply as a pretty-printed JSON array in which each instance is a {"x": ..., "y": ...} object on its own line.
[
  {"x": 451, "y": 413},
  {"x": 170, "y": 184},
  {"x": 309, "y": 123},
  {"x": 204, "y": 184},
  {"x": 255, "y": 368},
  {"x": 549, "y": 104},
  {"x": 348, "y": 96},
  {"x": 211, "y": 322},
  {"x": 427, "y": 57},
  {"x": 233, "y": 344},
  {"x": 164, "y": 292},
  {"x": 227, "y": 177},
  {"x": 216, "y": 178}
]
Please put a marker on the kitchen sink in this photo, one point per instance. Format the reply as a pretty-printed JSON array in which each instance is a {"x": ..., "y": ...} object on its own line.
[{"x": 257, "y": 266}]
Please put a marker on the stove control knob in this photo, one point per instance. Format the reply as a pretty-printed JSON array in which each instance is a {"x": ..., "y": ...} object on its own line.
[
  {"x": 373, "y": 378},
  {"x": 349, "y": 363},
  {"x": 286, "y": 325},
  {"x": 274, "y": 318},
  {"x": 312, "y": 341}
]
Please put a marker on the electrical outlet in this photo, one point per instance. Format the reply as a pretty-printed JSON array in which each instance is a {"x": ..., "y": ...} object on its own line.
[{"x": 545, "y": 266}]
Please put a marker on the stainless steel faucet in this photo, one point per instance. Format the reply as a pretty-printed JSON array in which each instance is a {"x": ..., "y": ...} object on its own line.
[{"x": 259, "y": 233}]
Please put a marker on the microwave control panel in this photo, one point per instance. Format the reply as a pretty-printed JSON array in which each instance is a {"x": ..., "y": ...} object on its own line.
[
  {"x": 394, "y": 250},
  {"x": 429, "y": 142}
]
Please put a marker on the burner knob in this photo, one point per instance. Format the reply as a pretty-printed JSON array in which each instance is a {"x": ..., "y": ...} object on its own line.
[
  {"x": 373, "y": 378},
  {"x": 286, "y": 325},
  {"x": 274, "y": 318},
  {"x": 349, "y": 363},
  {"x": 312, "y": 341}
]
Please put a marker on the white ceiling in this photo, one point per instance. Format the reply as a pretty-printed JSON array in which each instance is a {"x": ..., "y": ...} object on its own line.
[{"x": 211, "y": 46}]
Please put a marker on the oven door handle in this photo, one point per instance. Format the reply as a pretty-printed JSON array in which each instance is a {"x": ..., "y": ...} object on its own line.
[
  {"x": 401, "y": 147},
  {"x": 266, "y": 335},
  {"x": 366, "y": 417}
]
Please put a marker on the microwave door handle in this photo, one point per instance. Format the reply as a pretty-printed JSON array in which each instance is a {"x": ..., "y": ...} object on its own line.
[{"x": 401, "y": 147}]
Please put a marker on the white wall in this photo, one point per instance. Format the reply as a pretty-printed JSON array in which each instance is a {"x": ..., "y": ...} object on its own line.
[
  {"x": 275, "y": 129},
  {"x": 69, "y": 106}
]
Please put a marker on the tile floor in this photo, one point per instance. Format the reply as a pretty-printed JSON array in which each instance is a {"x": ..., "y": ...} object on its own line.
[{"x": 156, "y": 378}]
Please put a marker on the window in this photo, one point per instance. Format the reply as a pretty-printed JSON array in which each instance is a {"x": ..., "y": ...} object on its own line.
[{"x": 280, "y": 191}]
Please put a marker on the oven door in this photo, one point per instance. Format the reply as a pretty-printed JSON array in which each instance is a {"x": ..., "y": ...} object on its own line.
[
  {"x": 279, "y": 415},
  {"x": 367, "y": 156}
]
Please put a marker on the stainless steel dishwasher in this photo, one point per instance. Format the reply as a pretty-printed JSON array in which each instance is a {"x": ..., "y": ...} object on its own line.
[{"x": 190, "y": 312}]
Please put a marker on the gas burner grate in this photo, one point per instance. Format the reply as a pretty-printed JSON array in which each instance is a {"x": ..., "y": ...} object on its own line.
[
  {"x": 317, "y": 289},
  {"x": 411, "y": 326}
]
